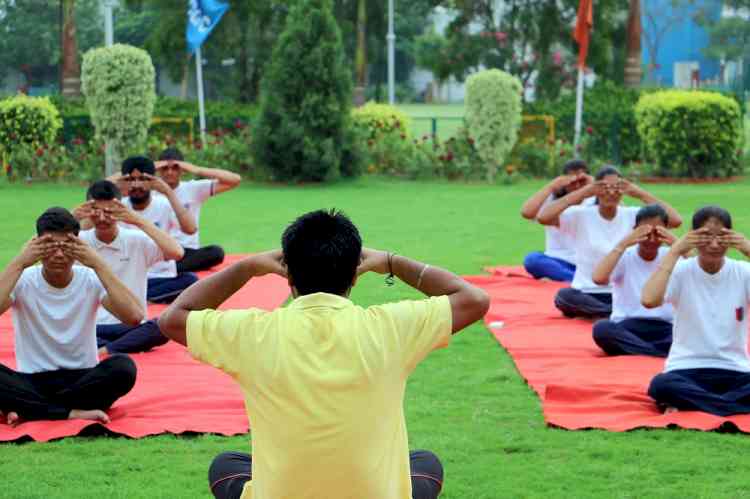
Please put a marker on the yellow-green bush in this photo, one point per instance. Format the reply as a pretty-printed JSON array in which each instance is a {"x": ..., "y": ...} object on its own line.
[
  {"x": 493, "y": 115},
  {"x": 377, "y": 120},
  {"x": 691, "y": 133},
  {"x": 28, "y": 120}
]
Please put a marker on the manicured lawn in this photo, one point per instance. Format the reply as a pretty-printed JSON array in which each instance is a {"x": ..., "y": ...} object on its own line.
[{"x": 466, "y": 402}]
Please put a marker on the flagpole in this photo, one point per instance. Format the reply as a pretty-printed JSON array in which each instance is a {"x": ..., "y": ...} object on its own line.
[
  {"x": 201, "y": 107},
  {"x": 579, "y": 111}
]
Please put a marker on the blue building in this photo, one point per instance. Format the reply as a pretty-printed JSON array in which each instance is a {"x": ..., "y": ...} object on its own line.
[{"x": 679, "y": 58}]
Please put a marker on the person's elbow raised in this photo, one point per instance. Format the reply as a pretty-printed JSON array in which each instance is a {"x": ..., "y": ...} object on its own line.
[
  {"x": 480, "y": 303},
  {"x": 135, "y": 317},
  {"x": 600, "y": 280}
]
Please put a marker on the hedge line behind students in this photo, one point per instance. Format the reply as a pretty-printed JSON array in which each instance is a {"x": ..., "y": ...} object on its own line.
[
  {"x": 595, "y": 229},
  {"x": 55, "y": 306}
]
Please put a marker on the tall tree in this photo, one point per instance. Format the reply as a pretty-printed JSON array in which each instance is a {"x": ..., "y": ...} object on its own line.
[
  {"x": 71, "y": 69},
  {"x": 659, "y": 18}
]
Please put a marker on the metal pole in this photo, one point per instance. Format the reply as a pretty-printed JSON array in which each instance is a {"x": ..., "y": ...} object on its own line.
[
  {"x": 391, "y": 56},
  {"x": 109, "y": 164},
  {"x": 201, "y": 110},
  {"x": 579, "y": 111}
]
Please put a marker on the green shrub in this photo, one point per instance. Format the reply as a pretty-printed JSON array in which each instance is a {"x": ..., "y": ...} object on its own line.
[
  {"x": 80, "y": 161},
  {"x": 493, "y": 115},
  {"x": 377, "y": 120},
  {"x": 118, "y": 83},
  {"x": 33, "y": 121},
  {"x": 691, "y": 134},
  {"x": 304, "y": 127}
]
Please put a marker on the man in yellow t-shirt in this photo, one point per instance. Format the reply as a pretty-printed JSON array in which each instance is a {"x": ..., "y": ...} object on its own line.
[{"x": 324, "y": 379}]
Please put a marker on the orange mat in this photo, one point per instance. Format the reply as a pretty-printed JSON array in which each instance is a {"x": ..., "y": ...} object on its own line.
[
  {"x": 173, "y": 393},
  {"x": 578, "y": 385}
]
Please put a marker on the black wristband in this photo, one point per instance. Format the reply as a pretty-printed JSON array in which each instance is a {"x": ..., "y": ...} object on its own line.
[{"x": 390, "y": 280}]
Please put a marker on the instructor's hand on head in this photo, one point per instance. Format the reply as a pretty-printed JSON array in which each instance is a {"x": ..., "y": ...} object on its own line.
[{"x": 373, "y": 261}]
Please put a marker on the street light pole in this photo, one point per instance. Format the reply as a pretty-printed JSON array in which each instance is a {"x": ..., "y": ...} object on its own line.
[
  {"x": 108, "y": 5},
  {"x": 391, "y": 56}
]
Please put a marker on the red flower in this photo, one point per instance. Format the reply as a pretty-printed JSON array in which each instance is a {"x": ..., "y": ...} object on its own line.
[
  {"x": 40, "y": 151},
  {"x": 500, "y": 36},
  {"x": 370, "y": 142},
  {"x": 238, "y": 125},
  {"x": 449, "y": 156},
  {"x": 589, "y": 130},
  {"x": 77, "y": 141}
]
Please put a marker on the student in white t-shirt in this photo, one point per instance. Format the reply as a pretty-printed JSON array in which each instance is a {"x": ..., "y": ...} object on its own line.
[
  {"x": 165, "y": 282},
  {"x": 557, "y": 262},
  {"x": 708, "y": 368},
  {"x": 633, "y": 329},
  {"x": 192, "y": 194},
  {"x": 129, "y": 253},
  {"x": 595, "y": 230},
  {"x": 58, "y": 374}
]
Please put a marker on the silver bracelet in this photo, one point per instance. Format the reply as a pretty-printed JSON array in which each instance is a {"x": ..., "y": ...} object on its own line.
[{"x": 421, "y": 275}]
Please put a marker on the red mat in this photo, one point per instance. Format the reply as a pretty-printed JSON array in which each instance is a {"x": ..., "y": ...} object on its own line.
[
  {"x": 173, "y": 393},
  {"x": 578, "y": 385}
]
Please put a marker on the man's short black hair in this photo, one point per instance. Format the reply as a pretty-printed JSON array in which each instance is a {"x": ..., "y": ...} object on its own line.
[
  {"x": 322, "y": 250},
  {"x": 575, "y": 165},
  {"x": 712, "y": 211},
  {"x": 140, "y": 163},
  {"x": 103, "y": 190},
  {"x": 57, "y": 220},
  {"x": 171, "y": 153},
  {"x": 652, "y": 211},
  {"x": 607, "y": 170}
]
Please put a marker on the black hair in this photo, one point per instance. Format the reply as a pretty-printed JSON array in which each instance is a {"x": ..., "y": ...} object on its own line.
[
  {"x": 712, "y": 211},
  {"x": 652, "y": 211},
  {"x": 171, "y": 153},
  {"x": 575, "y": 165},
  {"x": 322, "y": 250},
  {"x": 57, "y": 220},
  {"x": 140, "y": 163},
  {"x": 607, "y": 170},
  {"x": 103, "y": 190}
]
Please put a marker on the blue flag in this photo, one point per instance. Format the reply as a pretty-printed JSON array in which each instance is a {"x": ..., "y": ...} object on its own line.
[{"x": 203, "y": 16}]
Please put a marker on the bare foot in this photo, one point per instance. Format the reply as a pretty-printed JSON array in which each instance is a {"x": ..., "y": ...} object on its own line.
[
  {"x": 669, "y": 409},
  {"x": 92, "y": 415},
  {"x": 13, "y": 420}
]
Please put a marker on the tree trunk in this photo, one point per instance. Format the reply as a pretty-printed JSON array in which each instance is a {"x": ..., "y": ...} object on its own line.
[
  {"x": 361, "y": 57},
  {"x": 633, "y": 72},
  {"x": 71, "y": 70},
  {"x": 185, "y": 76}
]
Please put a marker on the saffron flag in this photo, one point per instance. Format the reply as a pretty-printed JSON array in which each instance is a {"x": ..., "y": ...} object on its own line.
[
  {"x": 584, "y": 23},
  {"x": 203, "y": 16}
]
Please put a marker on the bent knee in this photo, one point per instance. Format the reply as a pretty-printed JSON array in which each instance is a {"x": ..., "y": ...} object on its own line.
[
  {"x": 123, "y": 370},
  {"x": 603, "y": 330}
]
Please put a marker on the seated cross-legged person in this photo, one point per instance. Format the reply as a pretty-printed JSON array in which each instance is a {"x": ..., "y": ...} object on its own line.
[
  {"x": 633, "y": 329},
  {"x": 54, "y": 309},
  {"x": 707, "y": 368},
  {"x": 323, "y": 378},
  {"x": 557, "y": 262},
  {"x": 165, "y": 283},
  {"x": 192, "y": 194},
  {"x": 129, "y": 253},
  {"x": 595, "y": 230}
]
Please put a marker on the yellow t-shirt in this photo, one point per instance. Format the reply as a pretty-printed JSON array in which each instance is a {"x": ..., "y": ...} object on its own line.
[{"x": 324, "y": 384}]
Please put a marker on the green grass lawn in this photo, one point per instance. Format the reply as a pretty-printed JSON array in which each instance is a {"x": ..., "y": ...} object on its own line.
[{"x": 467, "y": 402}]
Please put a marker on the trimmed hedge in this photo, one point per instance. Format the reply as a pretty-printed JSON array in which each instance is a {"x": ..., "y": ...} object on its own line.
[
  {"x": 375, "y": 120},
  {"x": 24, "y": 120},
  {"x": 691, "y": 133}
]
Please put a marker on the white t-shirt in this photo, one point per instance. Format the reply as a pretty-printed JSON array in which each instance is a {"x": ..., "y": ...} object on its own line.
[
  {"x": 628, "y": 278},
  {"x": 129, "y": 256},
  {"x": 160, "y": 213},
  {"x": 593, "y": 237},
  {"x": 558, "y": 244},
  {"x": 710, "y": 316},
  {"x": 192, "y": 194},
  {"x": 56, "y": 328}
]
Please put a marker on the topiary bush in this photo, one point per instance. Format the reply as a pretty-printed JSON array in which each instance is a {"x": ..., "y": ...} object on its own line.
[
  {"x": 32, "y": 121},
  {"x": 493, "y": 115},
  {"x": 119, "y": 86},
  {"x": 304, "y": 131},
  {"x": 690, "y": 133}
]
